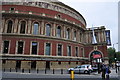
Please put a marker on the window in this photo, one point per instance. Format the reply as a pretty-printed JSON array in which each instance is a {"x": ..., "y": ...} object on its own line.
[
  {"x": 12, "y": 9},
  {"x": 48, "y": 30},
  {"x": 48, "y": 49},
  {"x": 80, "y": 37},
  {"x": 59, "y": 50},
  {"x": 59, "y": 16},
  {"x": 68, "y": 34},
  {"x": 59, "y": 62},
  {"x": 75, "y": 35},
  {"x": 20, "y": 47},
  {"x": 9, "y": 26},
  {"x": 69, "y": 50},
  {"x": 58, "y": 31},
  {"x": 36, "y": 28},
  {"x": 82, "y": 51},
  {"x": 6, "y": 46},
  {"x": 76, "y": 51},
  {"x": 22, "y": 27},
  {"x": 34, "y": 48}
]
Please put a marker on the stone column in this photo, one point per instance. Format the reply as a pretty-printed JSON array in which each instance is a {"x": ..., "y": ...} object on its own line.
[
  {"x": 104, "y": 35},
  {"x": 72, "y": 34},
  {"x": 29, "y": 26},
  {"x": 42, "y": 28},
  {"x": 54, "y": 29},
  {"x": 77, "y": 36},
  {"x": 3, "y": 26},
  {"x": 98, "y": 36},
  {"x": 15, "y": 26},
  {"x": 64, "y": 32}
]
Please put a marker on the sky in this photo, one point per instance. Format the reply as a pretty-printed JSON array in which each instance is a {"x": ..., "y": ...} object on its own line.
[{"x": 99, "y": 13}]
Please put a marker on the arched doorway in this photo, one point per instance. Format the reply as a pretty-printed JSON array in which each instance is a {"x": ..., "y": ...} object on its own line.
[{"x": 96, "y": 57}]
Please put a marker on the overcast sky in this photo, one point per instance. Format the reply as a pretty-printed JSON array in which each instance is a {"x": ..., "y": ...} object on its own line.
[{"x": 99, "y": 13}]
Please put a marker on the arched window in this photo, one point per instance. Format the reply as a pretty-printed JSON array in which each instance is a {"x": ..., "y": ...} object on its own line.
[
  {"x": 58, "y": 31},
  {"x": 48, "y": 30},
  {"x": 22, "y": 27},
  {"x": 9, "y": 26},
  {"x": 68, "y": 33},
  {"x": 35, "y": 28},
  {"x": 75, "y": 35}
]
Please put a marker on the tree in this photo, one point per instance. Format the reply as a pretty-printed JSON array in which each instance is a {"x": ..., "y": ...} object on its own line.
[
  {"x": 111, "y": 55},
  {"x": 118, "y": 56}
]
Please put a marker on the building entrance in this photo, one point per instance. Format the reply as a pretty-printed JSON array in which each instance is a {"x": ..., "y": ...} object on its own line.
[
  {"x": 47, "y": 64},
  {"x": 18, "y": 64},
  {"x": 33, "y": 64},
  {"x": 96, "y": 57}
]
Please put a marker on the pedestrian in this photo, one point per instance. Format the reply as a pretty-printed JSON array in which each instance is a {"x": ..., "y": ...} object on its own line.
[
  {"x": 103, "y": 71},
  {"x": 107, "y": 72}
]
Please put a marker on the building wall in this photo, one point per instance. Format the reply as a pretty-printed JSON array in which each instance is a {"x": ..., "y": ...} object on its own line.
[{"x": 31, "y": 13}]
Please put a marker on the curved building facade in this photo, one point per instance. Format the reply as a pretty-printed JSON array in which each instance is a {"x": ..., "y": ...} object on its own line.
[{"x": 47, "y": 35}]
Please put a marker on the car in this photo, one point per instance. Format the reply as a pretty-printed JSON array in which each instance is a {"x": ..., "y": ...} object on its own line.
[{"x": 86, "y": 68}]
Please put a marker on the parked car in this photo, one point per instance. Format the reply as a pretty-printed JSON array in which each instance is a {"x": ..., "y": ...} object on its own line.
[
  {"x": 95, "y": 69},
  {"x": 81, "y": 69}
]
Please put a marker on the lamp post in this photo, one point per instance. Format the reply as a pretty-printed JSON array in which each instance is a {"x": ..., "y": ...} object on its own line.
[{"x": 115, "y": 57}]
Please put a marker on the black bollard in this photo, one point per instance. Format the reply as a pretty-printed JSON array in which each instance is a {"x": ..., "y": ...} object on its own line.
[
  {"x": 45, "y": 71},
  {"x": 37, "y": 71},
  {"x": 29, "y": 70},
  {"x": 53, "y": 71},
  {"x": 4, "y": 69},
  {"x": 16, "y": 69},
  {"x": 61, "y": 71},
  {"x": 22, "y": 70},
  {"x": 10, "y": 69}
]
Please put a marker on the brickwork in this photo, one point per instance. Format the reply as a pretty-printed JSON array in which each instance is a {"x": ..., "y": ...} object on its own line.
[{"x": 37, "y": 18}]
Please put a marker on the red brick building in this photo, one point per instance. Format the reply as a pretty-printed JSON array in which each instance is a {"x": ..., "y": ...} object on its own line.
[{"x": 48, "y": 35}]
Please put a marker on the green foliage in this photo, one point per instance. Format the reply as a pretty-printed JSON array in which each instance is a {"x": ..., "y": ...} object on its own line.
[
  {"x": 111, "y": 53},
  {"x": 118, "y": 56}
]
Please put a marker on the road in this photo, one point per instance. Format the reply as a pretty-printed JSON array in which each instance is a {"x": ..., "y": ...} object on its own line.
[{"x": 40, "y": 76}]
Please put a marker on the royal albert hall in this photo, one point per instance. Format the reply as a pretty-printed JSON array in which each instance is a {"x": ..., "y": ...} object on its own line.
[{"x": 48, "y": 34}]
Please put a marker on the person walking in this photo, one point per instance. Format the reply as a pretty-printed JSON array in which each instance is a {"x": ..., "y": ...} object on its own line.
[
  {"x": 107, "y": 72},
  {"x": 103, "y": 69}
]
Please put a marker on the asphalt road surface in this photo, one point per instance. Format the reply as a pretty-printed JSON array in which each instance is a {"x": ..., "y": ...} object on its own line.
[{"x": 65, "y": 76}]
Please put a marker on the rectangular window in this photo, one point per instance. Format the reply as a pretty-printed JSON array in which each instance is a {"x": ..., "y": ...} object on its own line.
[
  {"x": 20, "y": 47},
  {"x": 3, "y": 61},
  {"x": 59, "y": 50},
  {"x": 76, "y": 51},
  {"x": 82, "y": 51},
  {"x": 6, "y": 47},
  {"x": 69, "y": 50},
  {"x": 48, "y": 49},
  {"x": 34, "y": 48}
]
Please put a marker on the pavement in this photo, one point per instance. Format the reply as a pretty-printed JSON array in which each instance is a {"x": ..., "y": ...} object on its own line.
[{"x": 56, "y": 76}]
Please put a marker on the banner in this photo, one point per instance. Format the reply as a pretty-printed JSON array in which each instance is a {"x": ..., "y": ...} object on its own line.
[{"x": 108, "y": 40}]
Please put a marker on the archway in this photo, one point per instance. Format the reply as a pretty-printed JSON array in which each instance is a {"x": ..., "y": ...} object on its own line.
[{"x": 96, "y": 57}]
